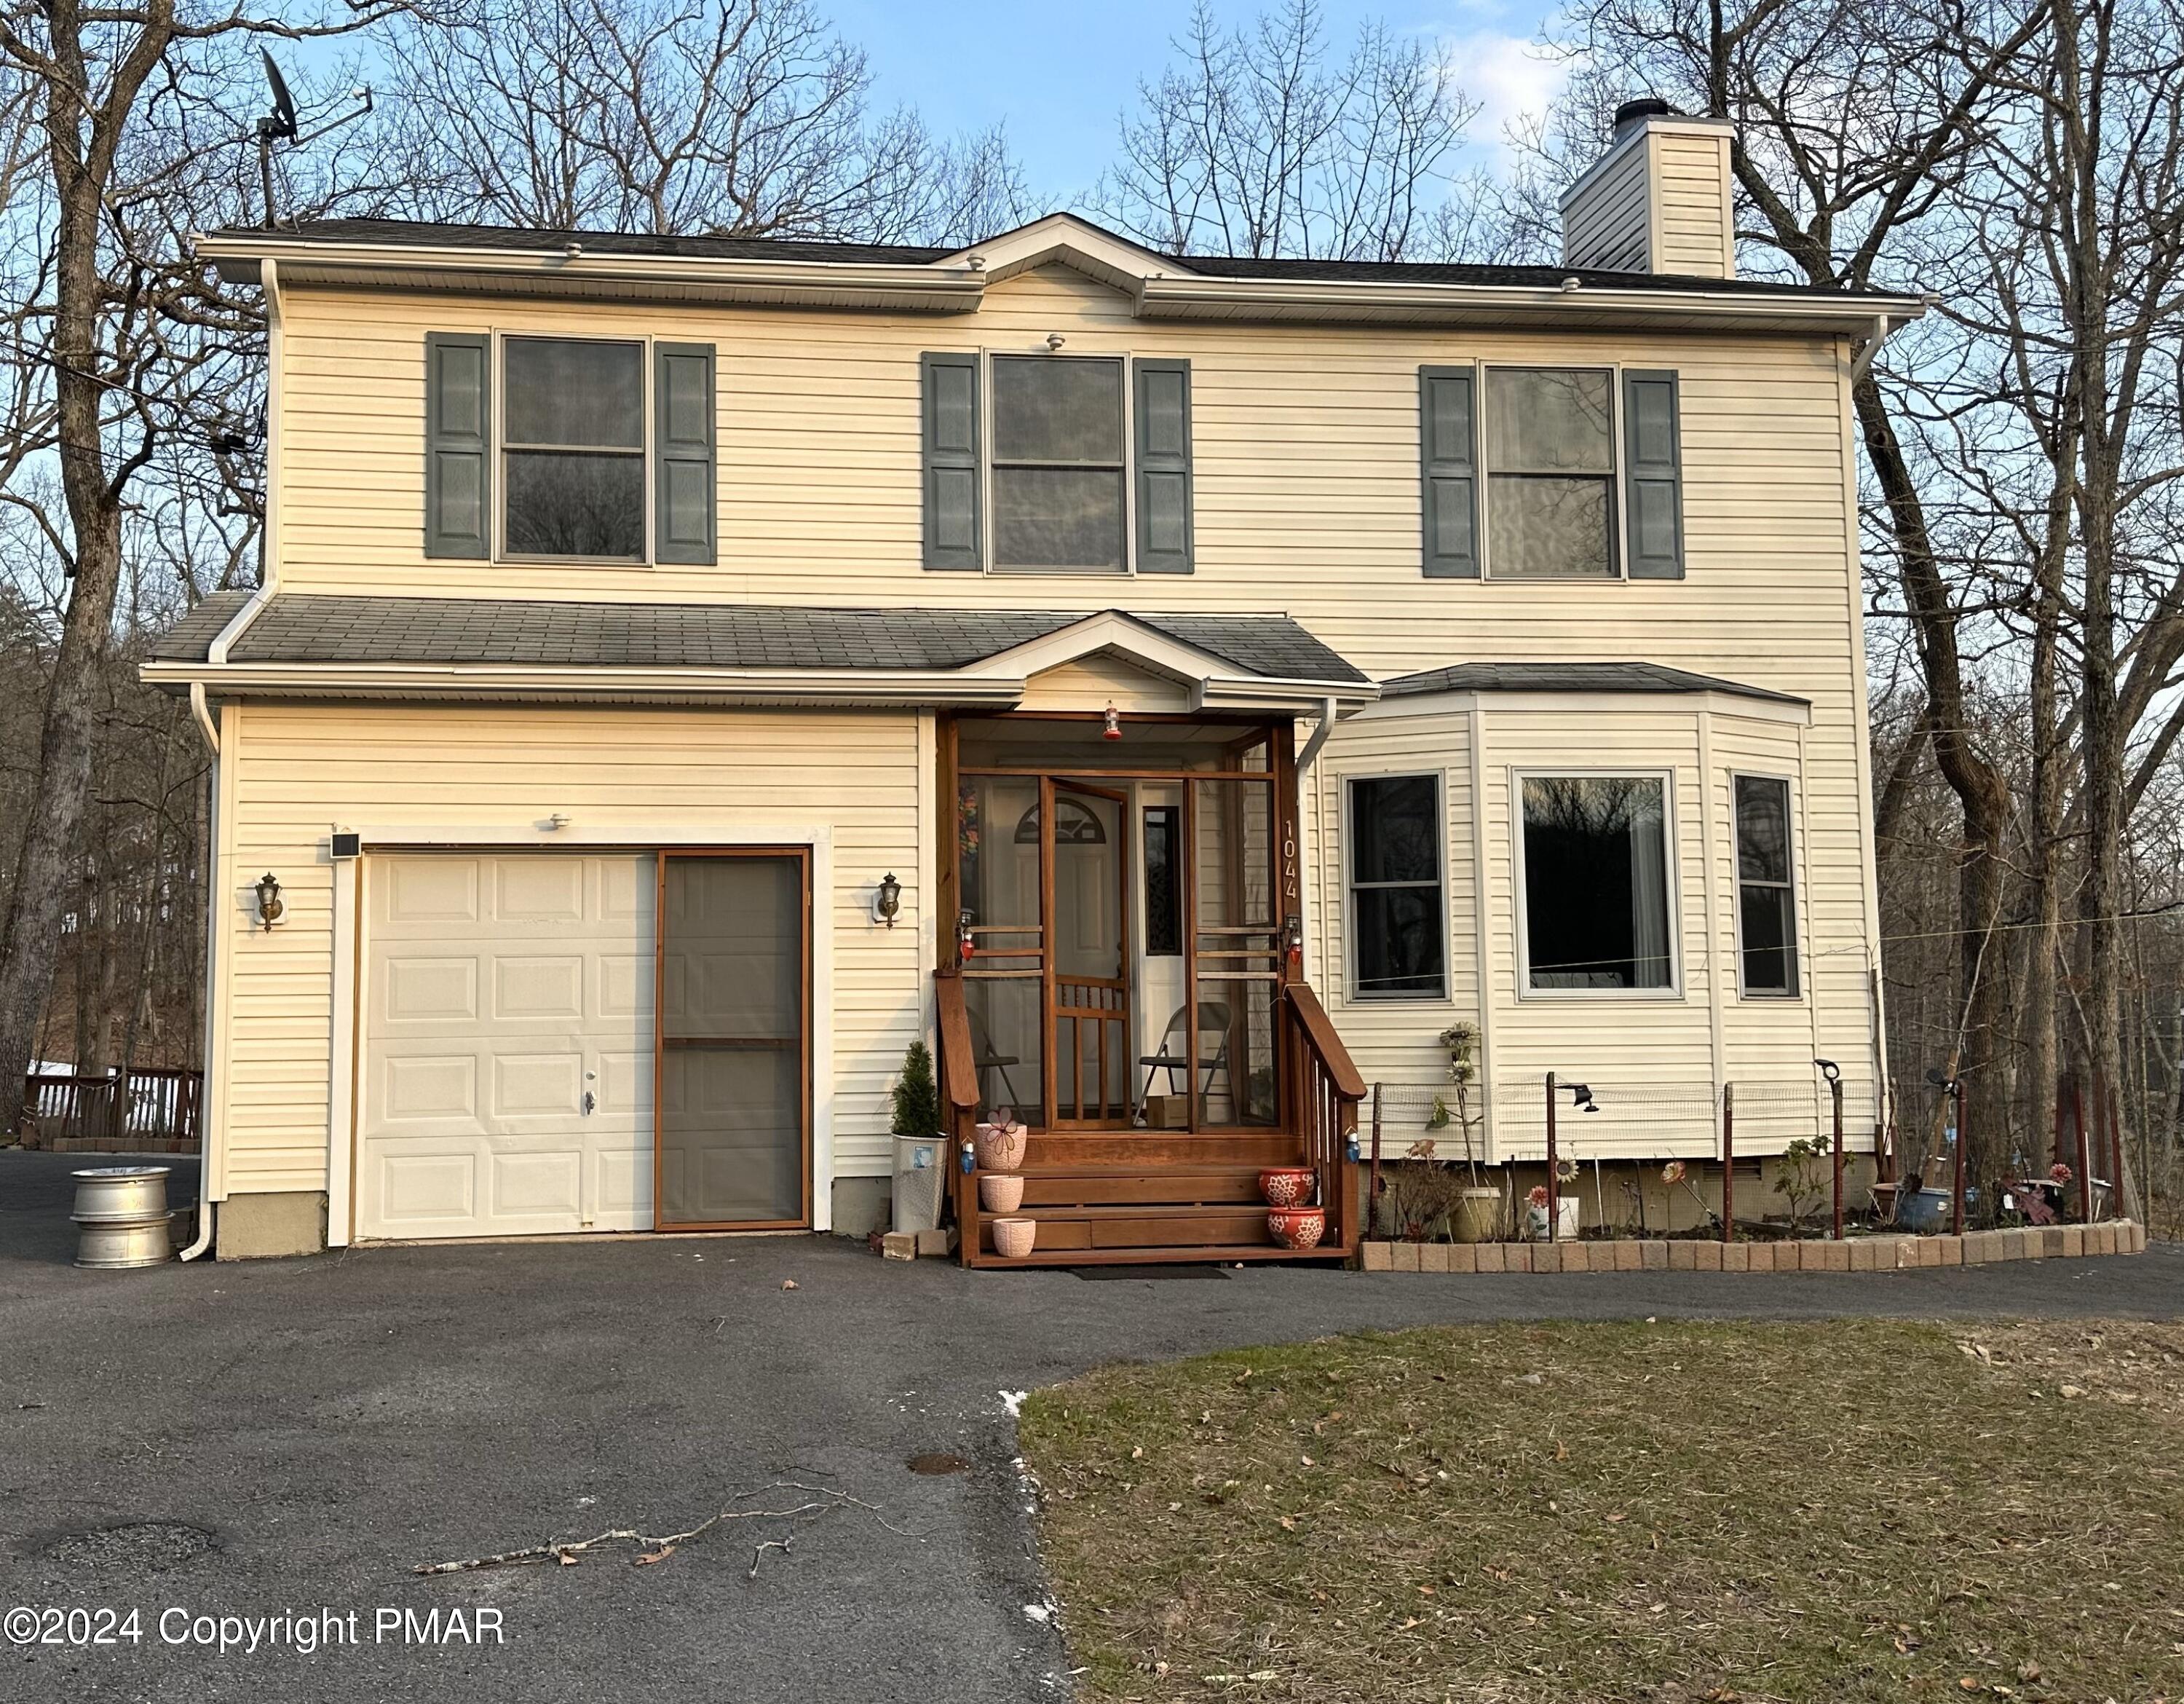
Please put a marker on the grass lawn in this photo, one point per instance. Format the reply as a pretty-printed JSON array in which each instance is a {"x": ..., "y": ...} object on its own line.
[{"x": 1684, "y": 1511}]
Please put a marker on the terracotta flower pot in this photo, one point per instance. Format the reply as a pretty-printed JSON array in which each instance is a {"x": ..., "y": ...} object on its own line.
[
  {"x": 1001, "y": 1150},
  {"x": 1286, "y": 1186},
  {"x": 1297, "y": 1227},
  {"x": 1001, "y": 1192},
  {"x": 1013, "y": 1237}
]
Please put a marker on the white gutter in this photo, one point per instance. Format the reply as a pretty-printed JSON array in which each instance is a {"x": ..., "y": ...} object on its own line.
[
  {"x": 856, "y": 687},
  {"x": 941, "y": 290}
]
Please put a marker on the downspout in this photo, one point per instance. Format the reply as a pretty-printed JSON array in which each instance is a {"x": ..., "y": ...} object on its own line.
[
  {"x": 1319, "y": 733},
  {"x": 212, "y": 1147}
]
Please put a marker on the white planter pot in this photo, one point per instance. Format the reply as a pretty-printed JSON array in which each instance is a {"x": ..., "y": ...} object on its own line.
[{"x": 1536, "y": 1222}]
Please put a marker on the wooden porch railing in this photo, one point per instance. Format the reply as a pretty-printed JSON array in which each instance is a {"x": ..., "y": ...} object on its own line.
[
  {"x": 151, "y": 1103},
  {"x": 1325, "y": 1089}
]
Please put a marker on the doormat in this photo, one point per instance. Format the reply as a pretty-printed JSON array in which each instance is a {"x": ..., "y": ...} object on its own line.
[{"x": 1179, "y": 1270}]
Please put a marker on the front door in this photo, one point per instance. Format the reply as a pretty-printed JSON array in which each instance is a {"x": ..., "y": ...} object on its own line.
[
  {"x": 1086, "y": 851},
  {"x": 734, "y": 1052}
]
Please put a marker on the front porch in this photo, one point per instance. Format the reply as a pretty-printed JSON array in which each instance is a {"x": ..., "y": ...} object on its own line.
[{"x": 1124, "y": 975}]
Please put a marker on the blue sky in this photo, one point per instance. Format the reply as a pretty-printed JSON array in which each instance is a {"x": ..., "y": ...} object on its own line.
[{"x": 1058, "y": 77}]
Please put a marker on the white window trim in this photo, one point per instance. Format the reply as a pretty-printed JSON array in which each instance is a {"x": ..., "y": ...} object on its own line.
[
  {"x": 1775, "y": 996},
  {"x": 1619, "y": 528},
  {"x": 1352, "y": 995},
  {"x": 1675, "y": 991},
  {"x": 496, "y": 410},
  {"x": 986, "y": 460}
]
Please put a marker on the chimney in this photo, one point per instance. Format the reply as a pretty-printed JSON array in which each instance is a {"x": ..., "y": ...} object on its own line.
[{"x": 1657, "y": 201}]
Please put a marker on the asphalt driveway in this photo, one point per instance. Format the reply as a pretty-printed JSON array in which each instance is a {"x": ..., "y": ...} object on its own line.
[{"x": 295, "y": 1435}]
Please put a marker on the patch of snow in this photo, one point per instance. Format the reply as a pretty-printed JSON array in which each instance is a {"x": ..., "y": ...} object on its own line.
[{"x": 1012, "y": 1402}]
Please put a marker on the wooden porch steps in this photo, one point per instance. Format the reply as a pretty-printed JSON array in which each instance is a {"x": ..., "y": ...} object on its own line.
[{"x": 1210, "y": 1255}]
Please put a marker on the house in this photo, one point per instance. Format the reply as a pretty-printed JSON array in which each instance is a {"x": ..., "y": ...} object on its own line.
[{"x": 687, "y": 670}]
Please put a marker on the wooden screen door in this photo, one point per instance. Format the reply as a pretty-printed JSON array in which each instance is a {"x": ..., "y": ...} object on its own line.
[
  {"x": 732, "y": 1060},
  {"x": 1084, "y": 855}
]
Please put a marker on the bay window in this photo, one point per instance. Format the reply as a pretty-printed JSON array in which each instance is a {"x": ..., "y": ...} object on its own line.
[{"x": 1598, "y": 911}]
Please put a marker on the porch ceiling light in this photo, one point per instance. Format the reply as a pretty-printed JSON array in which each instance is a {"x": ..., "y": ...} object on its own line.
[
  {"x": 270, "y": 908},
  {"x": 887, "y": 900},
  {"x": 1111, "y": 723}
]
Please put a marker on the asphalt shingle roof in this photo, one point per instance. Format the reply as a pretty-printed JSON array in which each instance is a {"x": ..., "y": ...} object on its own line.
[
  {"x": 315, "y": 627},
  {"x": 1569, "y": 677},
  {"x": 515, "y": 238}
]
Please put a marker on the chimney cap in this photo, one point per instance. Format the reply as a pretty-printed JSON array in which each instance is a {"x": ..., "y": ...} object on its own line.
[{"x": 1632, "y": 114}]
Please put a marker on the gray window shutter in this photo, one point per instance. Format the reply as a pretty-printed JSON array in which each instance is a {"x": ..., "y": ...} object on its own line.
[
  {"x": 457, "y": 452},
  {"x": 685, "y": 495},
  {"x": 950, "y": 408},
  {"x": 1448, "y": 437},
  {"x": 1163, "y": 434},
  {"x": 1654, "y": 475}
]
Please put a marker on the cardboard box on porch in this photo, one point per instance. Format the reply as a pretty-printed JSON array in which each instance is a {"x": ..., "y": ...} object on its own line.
[{"x": 1168, "y": 1112}]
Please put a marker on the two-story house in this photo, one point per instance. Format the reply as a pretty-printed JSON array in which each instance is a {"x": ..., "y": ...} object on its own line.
[{"x": 687, "y": 669}]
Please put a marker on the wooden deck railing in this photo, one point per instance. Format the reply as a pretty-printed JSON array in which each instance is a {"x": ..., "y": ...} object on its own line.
[
  {"x": 152, "y": 1102},
  {"x": 1325, "y": 1089}
]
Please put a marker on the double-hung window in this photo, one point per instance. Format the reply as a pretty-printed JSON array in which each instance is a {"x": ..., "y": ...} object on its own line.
[
  {"x": 1053, "y": 463},
  {"x": 1766, "y": 904},
  {"x": 1551, "y": 473},
  {"x": 1059, "y": 469},
  {"x": 1398, "y": 936},
  {"x": 572, "y": 448},
  {"x": 1598, "y": 897}
]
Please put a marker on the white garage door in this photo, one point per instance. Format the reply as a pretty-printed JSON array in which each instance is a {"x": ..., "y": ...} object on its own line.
[{"x": 508, "y": 1045}]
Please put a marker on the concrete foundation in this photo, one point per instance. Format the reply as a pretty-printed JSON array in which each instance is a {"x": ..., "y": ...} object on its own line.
[
  {"x": 257, "y": 1227},
  {"x": 862, "y": 1205}
]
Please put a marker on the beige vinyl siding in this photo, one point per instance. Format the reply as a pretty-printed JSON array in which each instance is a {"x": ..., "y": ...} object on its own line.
[
  {"x": 301, "y": 770},
  {"x": 1100, "y": 680},
  {"x": 1692, "y": 191},
  {"x": 1305, "y": 445},
  {"x": 1609, "y": 223}
]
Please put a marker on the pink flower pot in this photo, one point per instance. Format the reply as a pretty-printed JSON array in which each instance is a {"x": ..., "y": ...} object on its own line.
[
  {"x": 1001, "y": 1192},
  {"x": 1286, "y": 1186},
  {"x": 1297, "y": 1227},
  {"x": 1013, "y": 1237},
  {"x": 1001, "y": 1150}
]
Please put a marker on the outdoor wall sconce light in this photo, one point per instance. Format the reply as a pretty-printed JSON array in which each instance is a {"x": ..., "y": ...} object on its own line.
[
  {"x": 887, "y": 900},
  {"x": 1293, "y": 936},
  {"x": 965, "y": 946},
  {"x": 1111, "y": 726},
  {"x": 270, "y": 909}
]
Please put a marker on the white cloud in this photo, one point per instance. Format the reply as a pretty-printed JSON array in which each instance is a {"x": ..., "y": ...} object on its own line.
[{"x": 1511, "y": 78}]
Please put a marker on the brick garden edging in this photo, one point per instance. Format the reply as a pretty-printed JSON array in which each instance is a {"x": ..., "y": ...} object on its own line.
[{"x": 1854, "y": 1254}]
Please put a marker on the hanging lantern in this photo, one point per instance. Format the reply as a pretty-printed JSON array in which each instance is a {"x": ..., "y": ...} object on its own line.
[{"x": 1111, "y": 727}]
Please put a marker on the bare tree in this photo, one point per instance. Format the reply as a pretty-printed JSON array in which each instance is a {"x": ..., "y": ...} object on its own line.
[
  {"x": 1261, "y": 141},
  {"x": 119, "y": 348},
  {"x": 727, "y": 117}
]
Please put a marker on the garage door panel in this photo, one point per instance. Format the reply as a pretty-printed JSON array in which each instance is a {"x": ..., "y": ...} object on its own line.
[
  {"x": 623, "y": 1188},
  {"x": 429, "y": 990},
  {"x": 539, "y": 985},
  {"x": 426, "y": 1193},
  {"x": 434, "y": 890},
  {"x": 539, "y": 889},
  {"x": 539, "y": 1185},
  {"x": 532, "y": 1085},
  {"x": 624, "y": 986},
  {"x": 429, "y": 1087},
  {"x": 625, "y": 1087}
]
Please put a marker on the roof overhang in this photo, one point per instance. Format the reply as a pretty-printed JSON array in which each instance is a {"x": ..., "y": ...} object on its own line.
[
  {"x": 1212, "y": 682},
  {"x": 1156, "y": 286}
]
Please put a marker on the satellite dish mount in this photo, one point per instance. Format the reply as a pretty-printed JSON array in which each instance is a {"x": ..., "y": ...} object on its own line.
[{"x": 282, "y": 125}]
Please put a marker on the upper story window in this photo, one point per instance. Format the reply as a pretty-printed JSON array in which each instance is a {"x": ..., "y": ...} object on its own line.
[
  {"x": 1551, "y": 473},
  {"x": 1059, "y": 463},
  {"x": 572, "y": 448},
  {"x": 1055, "y": 463}
]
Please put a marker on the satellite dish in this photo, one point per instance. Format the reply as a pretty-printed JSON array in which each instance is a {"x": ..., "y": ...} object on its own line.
[{"x": 281, "y": 121}]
